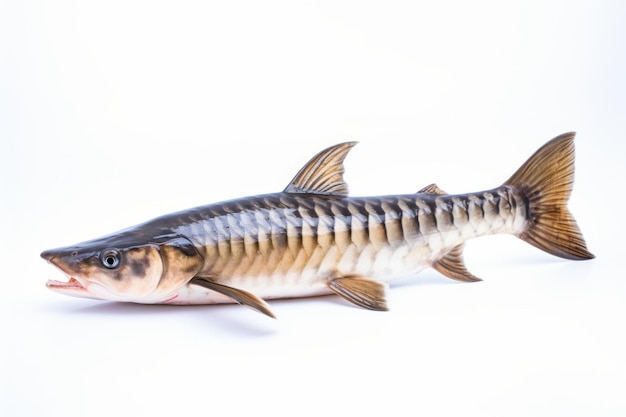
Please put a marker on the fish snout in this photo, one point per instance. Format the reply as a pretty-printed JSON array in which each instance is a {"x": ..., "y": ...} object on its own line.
[
  {"x": 60, "y": 253},
  {"x": 49, "y": 254}
]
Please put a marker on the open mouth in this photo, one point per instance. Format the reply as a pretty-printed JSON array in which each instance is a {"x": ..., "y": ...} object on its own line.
[
  {"x": 71, "y": 287},
  {"x": 72, "y": 284}
]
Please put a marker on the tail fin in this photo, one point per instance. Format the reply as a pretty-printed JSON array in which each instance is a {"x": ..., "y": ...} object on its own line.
[{"x": 546, "y": 180}]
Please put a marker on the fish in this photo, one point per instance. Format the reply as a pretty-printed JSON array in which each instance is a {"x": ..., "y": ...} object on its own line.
[{"x": 314, "y": 239}]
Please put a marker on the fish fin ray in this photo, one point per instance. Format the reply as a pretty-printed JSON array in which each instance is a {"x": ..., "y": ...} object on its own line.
[
  {"x": 361, "y": 291},
  {"x": 546, "y": 179},
  {"x": 452, "y": 266},
  {"x": 432, "y": 189},
  {"x": 240, "y": 296},
  {"x": 323, "y": 174}
]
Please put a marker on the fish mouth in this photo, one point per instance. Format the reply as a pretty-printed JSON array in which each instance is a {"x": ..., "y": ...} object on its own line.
[
  {"x": 71, "y": 284},
  {"x": 72, "y": 287}
]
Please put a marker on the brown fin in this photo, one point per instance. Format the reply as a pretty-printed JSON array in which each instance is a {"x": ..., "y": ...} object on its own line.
[
  {"x": 452, "y": 266},
  {"x": 361, "y": 291},
  {"x": 323, "y": 174},
  {"x": 432, "y": 189},
  {"x": 546, "y": 180},
  {"x": 240, "y": 296}
]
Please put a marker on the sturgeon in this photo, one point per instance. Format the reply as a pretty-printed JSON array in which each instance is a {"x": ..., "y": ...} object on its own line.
[{"x": 313, "y": 239}]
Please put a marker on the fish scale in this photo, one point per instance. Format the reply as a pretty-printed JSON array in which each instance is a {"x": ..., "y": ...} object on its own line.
[
  {"x": 313, "y": 239},
  {"x": 282, "y": 229}
]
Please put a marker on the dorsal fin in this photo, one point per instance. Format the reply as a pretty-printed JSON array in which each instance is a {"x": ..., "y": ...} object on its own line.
[
  {"x": 323, "y": 174},
  {"x": 432, "y": 189}
]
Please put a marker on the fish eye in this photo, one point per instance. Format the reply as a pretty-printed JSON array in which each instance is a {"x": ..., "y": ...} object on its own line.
[{"x": 110, "y": 258}]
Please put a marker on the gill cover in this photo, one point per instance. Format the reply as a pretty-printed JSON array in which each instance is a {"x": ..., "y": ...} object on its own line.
[{"x": 181, "y": 262}]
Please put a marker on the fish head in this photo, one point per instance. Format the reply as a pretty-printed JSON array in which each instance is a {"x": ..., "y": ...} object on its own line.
[{"x": 123, "y": 268}]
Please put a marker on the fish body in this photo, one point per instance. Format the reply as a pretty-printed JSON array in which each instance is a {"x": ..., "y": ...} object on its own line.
[{"x": 314, "y": 239}]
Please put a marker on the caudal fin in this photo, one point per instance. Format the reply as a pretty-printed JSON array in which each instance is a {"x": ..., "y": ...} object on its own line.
[{"x": 546, "y": 180}]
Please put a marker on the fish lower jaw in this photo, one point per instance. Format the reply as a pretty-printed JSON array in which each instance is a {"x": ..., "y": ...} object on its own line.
[
  {"x": 73, "y": 283},
  {"x": 71, "y": 287}
]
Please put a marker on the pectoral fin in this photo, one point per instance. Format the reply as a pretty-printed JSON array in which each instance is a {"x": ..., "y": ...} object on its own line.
[
  {"x": 240, "y": 296},
  {"x": 452, "y": 266},
  {"x": 361, "y": 291}
]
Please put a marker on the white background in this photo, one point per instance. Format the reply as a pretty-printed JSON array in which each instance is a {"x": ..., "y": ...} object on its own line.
[{"x": 114, "y": 112}]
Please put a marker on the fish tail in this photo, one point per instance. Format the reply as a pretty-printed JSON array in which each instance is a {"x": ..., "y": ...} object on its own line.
[{"x": 545, "y": 180}]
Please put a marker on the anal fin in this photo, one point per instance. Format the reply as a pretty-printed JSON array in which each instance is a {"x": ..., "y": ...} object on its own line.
[
  {"x": 240, "y": 296},
  {"x": 452, "y": 266},
  {"x": 361, "y": 291}
]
